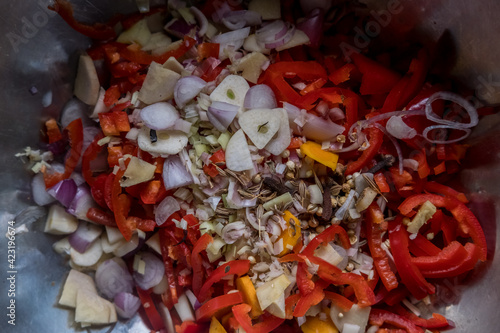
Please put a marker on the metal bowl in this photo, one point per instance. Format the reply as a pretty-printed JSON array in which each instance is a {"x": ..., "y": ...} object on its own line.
[{"x": 38, "y": 54}]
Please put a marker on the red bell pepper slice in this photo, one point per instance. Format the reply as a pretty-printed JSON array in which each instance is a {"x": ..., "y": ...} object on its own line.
[
  {"x": 101, "y": 217},
  {"x": 98, "y": 31},
  {"x": 53, "y": 131},
  {"x": 381, "y": 182},
  {"x": 449, "y": 256},
  {"x": 89, "y": 155},
  {"x": 362, "y": 290},
  {"x": 75, "y": 134},
  {"x": 119, "y": 207},
  {"x": 134, "y": 54},
  {"x": 395, "y": 296},
  {"x": 149, "y": 194},
  {"x": 326, "y": 237},
  {"x": 311, "y": 299},
  {"x": 267, "y": 325},
  {"x": 169, "y": 267},
  {"x": 421, "y": 246},
  {"x": 467, "y": 263},
  {"x": 112, "y": 95},
  {"x": 423, "y": 168},
  {"x": 196, "y": 261},
  {"x": 374, "y": 229},
  {"x": 149, "y": 307},
  {"x": 207, "y": 50},
  {"x": 409, "y": 273},
  {"x": 234, "y": 267},
  {"x": 218, "y": 305},
  {"x": 379, "y": 317},
  {"x": 341, "y": 74},
  {"x": 112, "y": 123},
  {"x": 316, "y": 84},
  {"x": 467, "y": 222},
  {"x": 290, "y": 303},
  {"x": 377, "y": 79},
  {"x": 304, "y": 279},
  {"x": 338, "y": 300},
  {"x": 376, "y": 138},
  {"x": 437, "y": 320},
  {"x": 438, "y": 188}
]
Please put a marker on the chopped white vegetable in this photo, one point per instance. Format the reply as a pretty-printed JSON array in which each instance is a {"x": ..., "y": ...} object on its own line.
[
  {"x": 59, "y": 222},
  {"x": 231, "y": 90},
  {"x": 114, "y": 235},
  {"x": 169, "y": 142},
  {"x": 250, "y": 66},
  {"x": 183, "y": 308},
  {"x": 89, "y": 257},
  {"x": 238, "y": 156},
  {"x": 87, "y": 84},
  {"x": 299, "y": 38},
  {"x": 173, "y": 65},
  {"x": 284, "y": 136},
  {"x": 271, "y": 291},
  {"x": 423, "y": 215},
  {"x": 154, "y": 243},
  {"x": 260, "y": 125},
  {"x": 62, "y": 246},
  {"x": 139, "y": 34},
  {"x": 158, "y": 85},
  {"x": 138, "y": 171},
  {"x": 93, "y": 309},
  {"x": 75, "y": 281}
]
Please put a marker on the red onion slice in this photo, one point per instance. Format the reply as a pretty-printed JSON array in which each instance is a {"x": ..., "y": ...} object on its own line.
[
  {"x": 187, "y": 88},
  {"x": 166, "y": 208},
  {"x": 178, "y": 28},
  {"x": 312, "y": 26},
  {"x": 64, "y": 191},
  {"x": 112, "y": 278},
  {"x": 159, "y": 116},
  {"x": 260, "y": 96},
  {"x": 271, "y": 31},
  {"x": 175, "y": 173},
  {"x": 283, "y": 40},
  {"x": 219, "y": 183},
  {"x": 399, "y": 129},
  {"x": 429, "y": 129},
  {"x": 81, "y": 203},
  {"x": 202, "y": 20},
  {"x": 126, "y": 304},
  {"x": 447, "y": 96},
  {"x": 86, "y": 233},
  {"x": 222, "y": 114},
  {"x": 153, "y": 273},
  {"x": 232, "y": 39}
]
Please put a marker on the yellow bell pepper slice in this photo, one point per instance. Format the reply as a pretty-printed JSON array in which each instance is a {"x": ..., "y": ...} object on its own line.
[
  {"x": 314, "y": 151},
  {"x": 246, "y": 287},
  {"x": 216, "y": 326},
  {"x": 316, "y": 325},
  {"x": 292, "y": 234}
]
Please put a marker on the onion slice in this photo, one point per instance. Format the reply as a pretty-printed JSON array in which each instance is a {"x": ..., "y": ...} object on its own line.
[
  {"x": 447, "y": 96},
  {"x": 112, "y": 278},
  {"x": 126, "y": 304},
  {"x": 159, "y": 116},
  {"x": 260, "y": 96},
  {"x": 167, "y": 207},
  {"x": 399, "y": 129},
  {"x": 64, "y": 191},
  {"x": 222, "y": 114},
  {"x": 175, "y": 173},
  {"x": 187, "y": 88},
  {"x": 202, "y": 20},
  {"x": 153, "y": 271}
]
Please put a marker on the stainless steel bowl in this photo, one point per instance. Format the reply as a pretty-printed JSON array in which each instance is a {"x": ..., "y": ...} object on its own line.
[{"x": 38, "y": 54}]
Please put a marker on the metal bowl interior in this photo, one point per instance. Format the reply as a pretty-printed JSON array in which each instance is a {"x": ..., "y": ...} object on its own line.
[{"x": 38, "y": 50}]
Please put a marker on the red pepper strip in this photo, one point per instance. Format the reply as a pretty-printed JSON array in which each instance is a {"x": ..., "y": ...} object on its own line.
[
  {"x": 149, "y": 307},
  {"x": 53, "y": 131},
  {"x": 267, "y": 325},
  {"x": 238, "y": 267},
  {"x": 100, "y": 217},
  {"x": 467, "y": 222},
  {"x": 379, "y": 317},
  {"x": 144, "y": 58},
  {"x": 306, "y": 70},
  {"x": 313, "y": 86},
  {"x": 75, "y": 133},
  {"x": 169, "y": 267},
  {"x": 376, "y": 138},
  {"x": 311, "y": 299},
  {"x": 112, "y": 95},
  {"x": 149, "y": 194},
  {"x": 374, "y": 229},
  {"x": 89, "y": 155},
  {"x": 207, "y": 50},
  {"x": 326, "y": 237},
  {"x": 188, "y": 327},
  {"x": 290, "y": 303},
  {"x": 97, "y": 189},
  {"x": 409, "y": 273},
  {"x": 196, "y": 261},
  {"x": 96, "y": 31},
  {"x": 437, "y": 320},
  {"x": 217, "y": 305},
  {"x": 449, "y": 256},
  {"x": 381, "y": 182},
  {"x": 421, "y": 246},
  {"x": 377, "y": 79},
  {"x": 423, "y": 167},
  {"x": 339, "y": 300},
  {"x": 437, "y": 188},
  {"x": 304, "y": 279},
  {"x": 466, "y": 264},
  {"x": 173, "y": 240},
  {"x": 396, "y": 295},
  {"x": 341, "y": 74},
  {"x": 118, "y": 206},
  {"x": 362, "y": 290}
]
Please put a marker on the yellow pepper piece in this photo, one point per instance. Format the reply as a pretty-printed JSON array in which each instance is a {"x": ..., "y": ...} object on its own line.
[
  {"x": 316, "y": 325},
  {"x": 292, "y": 234},
  {"x": 314, "y": 151},
  {"x": 246, "y": 287},
  {"x": 216, "y": 326}
]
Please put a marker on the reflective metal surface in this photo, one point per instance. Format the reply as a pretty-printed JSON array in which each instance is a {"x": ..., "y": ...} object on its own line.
[{"x": 38, "y": 50}]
